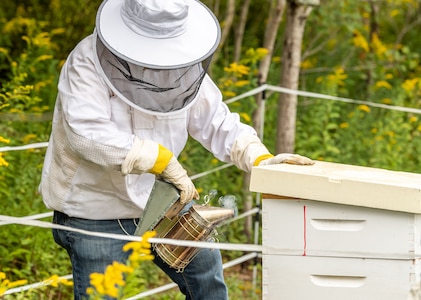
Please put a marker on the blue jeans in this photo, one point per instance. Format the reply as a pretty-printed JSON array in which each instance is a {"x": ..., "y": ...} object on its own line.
[{"x": 202, "y": 279}]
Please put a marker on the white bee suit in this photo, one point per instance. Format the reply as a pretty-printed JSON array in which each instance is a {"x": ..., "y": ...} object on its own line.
[{"x": 94, "y": 130}]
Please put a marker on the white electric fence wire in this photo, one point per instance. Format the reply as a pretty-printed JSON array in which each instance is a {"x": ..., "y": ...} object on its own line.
[
  {"x": 185, "y": 243},
  {"x": 32, "y": 217},
  {"x": 273, "y": 88},
  {"x": 193, "y": 177},
  {"x": 25, "y": 147}
]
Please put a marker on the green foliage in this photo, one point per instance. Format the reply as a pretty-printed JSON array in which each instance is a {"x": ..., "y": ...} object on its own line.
[{"x": 343, "y": 55}]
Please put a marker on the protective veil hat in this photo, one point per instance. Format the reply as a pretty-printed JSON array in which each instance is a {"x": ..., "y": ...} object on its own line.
[{"x": 158, "y": 34}]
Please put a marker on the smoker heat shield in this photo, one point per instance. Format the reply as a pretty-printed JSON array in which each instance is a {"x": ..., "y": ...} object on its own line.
[{"x": 161, "y": 202}]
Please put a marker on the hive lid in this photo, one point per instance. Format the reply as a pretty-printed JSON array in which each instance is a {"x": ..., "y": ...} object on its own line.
[{"x": 340, "y": 183}]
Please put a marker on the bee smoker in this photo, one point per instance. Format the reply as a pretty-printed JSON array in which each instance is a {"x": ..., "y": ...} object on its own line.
[{"x": 197, "y": 224}]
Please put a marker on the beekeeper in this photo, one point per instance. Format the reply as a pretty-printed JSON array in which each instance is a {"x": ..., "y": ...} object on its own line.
[{"x": 129, "y": 95}]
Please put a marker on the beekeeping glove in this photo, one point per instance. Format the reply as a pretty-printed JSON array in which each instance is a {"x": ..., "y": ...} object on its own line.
[
  {"x": 286, "y": 158},
  {"x": 150, "y": 157},
  {"x": 248, "y": 151}
]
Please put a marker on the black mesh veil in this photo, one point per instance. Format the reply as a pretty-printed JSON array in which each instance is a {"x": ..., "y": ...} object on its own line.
[{"x": 153, "y": 90}]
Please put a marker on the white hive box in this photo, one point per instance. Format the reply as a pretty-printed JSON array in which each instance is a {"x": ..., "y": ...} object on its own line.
[
  {"x": 331, "y": 278},
  {"x": 315, "y": 228},
  {"x": 334, "y": 231}
]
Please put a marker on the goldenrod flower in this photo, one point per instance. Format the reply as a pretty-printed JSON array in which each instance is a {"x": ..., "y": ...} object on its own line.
[
  {"x": 245, "y": 116},
  {"x": 140, "y": 250},
  {"x": 4, "y": 140},
  {"x": 338, "y": 77},
  {"x": 228, "y": 94},
  {"x": 344, "y": 125},
  {"x": 241, "y": 83},
  {"x": 360, "y": 41},
  {"x": 387, "y": 101},
  {"x": 364, "y": 107},
  {"x": 108, "y": 284},
  {"x": 410, "y": 84},
  {"x": 383, "y": 83},
  {"x": 27, "y": 138},
  {"x": 55, "y": 280},
  {"x": 378, "y": 46},
  {"x": 237, "y": 69},
  {"x": 413, "y": 119},
  {"x": 3, "y": 162},
  {"x": 6, "y": 284}
]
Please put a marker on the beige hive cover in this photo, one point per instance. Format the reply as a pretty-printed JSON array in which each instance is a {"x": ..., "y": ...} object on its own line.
[{"x": 342, "y": 184}]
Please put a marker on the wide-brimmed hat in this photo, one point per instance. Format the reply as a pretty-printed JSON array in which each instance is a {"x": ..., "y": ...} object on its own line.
[{"x": 162, "y": 34}]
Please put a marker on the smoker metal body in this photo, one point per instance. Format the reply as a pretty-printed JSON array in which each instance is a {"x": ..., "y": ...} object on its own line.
[{"x": 163, "y": 215}]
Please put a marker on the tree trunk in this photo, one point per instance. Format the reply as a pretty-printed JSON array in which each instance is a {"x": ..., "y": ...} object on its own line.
[
  {"x": 225, "y": 29},
  {"x": 239, "y": 29},
  {"x": 291, "y": 59},
  {"x": 271, "y": 32}
]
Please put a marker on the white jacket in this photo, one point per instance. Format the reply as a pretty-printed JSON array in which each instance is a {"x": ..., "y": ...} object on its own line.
[{"x": 93, "y": 130}]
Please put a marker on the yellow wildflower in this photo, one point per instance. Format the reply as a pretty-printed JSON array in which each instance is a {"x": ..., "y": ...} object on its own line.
[
  {"x": 262, "y": 52},
  {"x": 383, "y": 83},
  {"x": 245, "y": 116},
  {"x": 241, "y": 83},
  {"x": 29, "y": 137},
  {"x": 4, "y": 51},
  {"x": 387, "y": 101},
  {"x": 413, "y": 119},
  {"x": 3, "y": 162},
  {"x": 307, "y": 64},
  {"x": 140, "y": 250},
  {"x": 58, "y": 31},
  {"x": 16, "y": 283},
  {"x": 390, "y": 133},
  {"x": 378, "y": 46},
  {"x": 344, "y": 125},
  {"x": 44, "y": 57},
  {"x": 364, "y": 107},
  {"x": 6, "y": 284},
  {"x": 237, "y": 69},
  {"x": 410, "y": 84},
  {"x": 4, "y": 140},
  {"x": 108, "y": 283},
  {"x": 228, "y": 94},
  {"x": 394, "y": 12},
  {"x": 360, "y": 41},
  {"x": 55, "y": 280},
  {"x": 338, "y": 77}
]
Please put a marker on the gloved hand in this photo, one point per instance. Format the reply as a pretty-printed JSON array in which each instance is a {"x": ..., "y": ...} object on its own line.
[
  {"x": 287, "y": 158},
  {"x": 177, "y": 175},
  {"x": 149, "y": 157}
]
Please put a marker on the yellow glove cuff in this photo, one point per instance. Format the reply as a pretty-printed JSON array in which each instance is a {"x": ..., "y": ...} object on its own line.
[
  {"x": 162, "y": 161},
  {"x": 260, "y": 158}
]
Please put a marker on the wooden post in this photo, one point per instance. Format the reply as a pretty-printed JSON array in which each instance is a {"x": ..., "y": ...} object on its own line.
[{"x": 297, "y": 13}]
